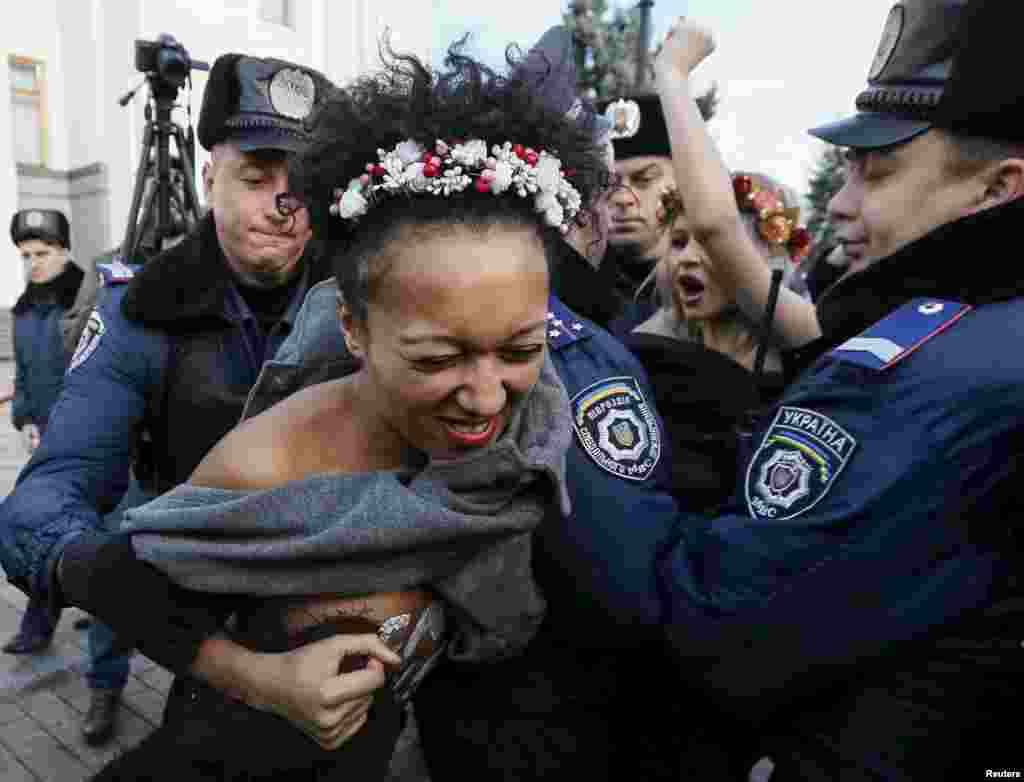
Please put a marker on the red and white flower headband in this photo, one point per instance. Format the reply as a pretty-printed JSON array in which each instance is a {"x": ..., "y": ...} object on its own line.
[
  {"x": 410, "y": 169},
  {"x": 775, "y": 223}
]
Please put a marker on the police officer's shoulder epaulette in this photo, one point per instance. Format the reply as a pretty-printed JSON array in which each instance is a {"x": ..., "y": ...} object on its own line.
[
  {"x": 900, "y": 333},
  {"x": 564, "y": 328},
  {"x": 116, "y": 272}
]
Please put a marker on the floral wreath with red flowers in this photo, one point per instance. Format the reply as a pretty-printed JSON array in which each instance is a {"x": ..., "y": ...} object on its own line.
[
  {"x": 410, "y": 169},
  {"x": 776, "y": 224}
]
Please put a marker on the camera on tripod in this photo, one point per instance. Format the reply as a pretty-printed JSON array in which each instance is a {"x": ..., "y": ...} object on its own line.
[
  {"x": 164, "y": 201},
  {"x": 164, "y": 58}
]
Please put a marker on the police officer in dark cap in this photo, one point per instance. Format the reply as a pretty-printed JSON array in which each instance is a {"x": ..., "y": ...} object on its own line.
[
  {"x": 163, "y": 367},
  {"x": 643, "y": 163},
  {"x": 43, "y": 239},
  {"x": 857, "y": 603}
]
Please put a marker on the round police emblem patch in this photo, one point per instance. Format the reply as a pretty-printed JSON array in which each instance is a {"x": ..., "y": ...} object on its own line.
[
  {"x": 625, "y": 118},
  {"x": 89, "y": 341},
  {"x": 34, "y": 219},
  {"x": 890, "y": 39},
  {"x": 617, "y": 428},
  {"x": 292, "y": 93},
  {"x": 799, "y": 459}
]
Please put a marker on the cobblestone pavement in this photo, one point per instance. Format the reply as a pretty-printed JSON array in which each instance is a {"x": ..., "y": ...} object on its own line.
[{"x": 43, "y": 696}]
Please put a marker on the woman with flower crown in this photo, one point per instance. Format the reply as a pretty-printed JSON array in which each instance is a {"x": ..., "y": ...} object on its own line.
[
  {"x": 712, "y": 359},
  {"x": 395, "y": 504},
  {"x": 742, "y": 227}
]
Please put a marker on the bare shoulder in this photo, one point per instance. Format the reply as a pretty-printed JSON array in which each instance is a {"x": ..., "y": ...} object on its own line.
[{"x": 279, "y": 445}]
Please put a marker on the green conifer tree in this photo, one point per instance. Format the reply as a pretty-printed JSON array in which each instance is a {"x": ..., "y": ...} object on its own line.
[
  {"x": 606, "y": 38},
  {"x": 827, "y": 178}
]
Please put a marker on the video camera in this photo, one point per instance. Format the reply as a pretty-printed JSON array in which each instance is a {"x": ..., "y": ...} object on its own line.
[
  {"x": 165, "y": 59},
  {"x": 164, "y": 202}
]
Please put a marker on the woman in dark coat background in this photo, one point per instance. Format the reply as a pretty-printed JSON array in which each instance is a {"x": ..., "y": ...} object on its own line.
[{"x": 43, "y": 239}]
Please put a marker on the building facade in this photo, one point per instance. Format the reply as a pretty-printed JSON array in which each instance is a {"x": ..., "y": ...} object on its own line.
[{"x": 65, "y": 142}]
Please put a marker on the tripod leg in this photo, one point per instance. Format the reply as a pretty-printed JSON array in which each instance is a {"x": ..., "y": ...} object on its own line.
[
  {"x": 131, "y": 234},
  {"x": 190, "y": 206}
]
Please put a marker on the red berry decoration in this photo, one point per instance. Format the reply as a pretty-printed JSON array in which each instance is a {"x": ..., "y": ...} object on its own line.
[
  {"x": 742, "y": 185},
  {"x": 482, "y": 185},
  {"x": 379, "y": 170},
  {"x": 801, "y": 237},
  {"x": 532, "y": 158},
  {"x": 430, "y": 170},
  {"x": 427, "y": 156},
  {"x": 519, "y": 151},
  {"x": 799, "y": 243}
]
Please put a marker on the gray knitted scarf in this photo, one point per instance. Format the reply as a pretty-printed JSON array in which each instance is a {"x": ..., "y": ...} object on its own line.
[{"x": 462, "y": 527}]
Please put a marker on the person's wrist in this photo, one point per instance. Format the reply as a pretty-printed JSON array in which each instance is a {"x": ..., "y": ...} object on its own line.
[{"x": 231, "y": 668}]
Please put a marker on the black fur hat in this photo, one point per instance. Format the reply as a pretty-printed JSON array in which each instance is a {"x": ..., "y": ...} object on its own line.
[
  {"x": 940, "y": 63},
  {"x": 637, "y": 126},
  {"x": 260, "y": 103},
  {"x": 50, "y": 225}
]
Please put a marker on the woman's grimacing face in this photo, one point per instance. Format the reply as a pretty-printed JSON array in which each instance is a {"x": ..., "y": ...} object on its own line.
[
  {"x": 455, "y": 332},
  {"x": 696, "y": 293}
]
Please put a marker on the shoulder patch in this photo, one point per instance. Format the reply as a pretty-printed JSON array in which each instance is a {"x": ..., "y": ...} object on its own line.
[
  {"x": 115, "y": 272},
  {"x": 900, "y": 333},
  {"x": 564, "y": 328},
  {"x": 89, "y": 341},
  {"x": 799, "y": 459},
  {"x": 617, "y": 428}
]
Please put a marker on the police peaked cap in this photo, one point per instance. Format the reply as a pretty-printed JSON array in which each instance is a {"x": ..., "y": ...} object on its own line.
[
  {"x": 49, "y": 225},
  {"x": 650, "y": 137},
  {"x": 940, "y": 63},
  {"x": 260, "y": 103}
]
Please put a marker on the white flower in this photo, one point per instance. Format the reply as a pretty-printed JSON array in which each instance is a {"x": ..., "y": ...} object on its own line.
[
  {"x": 548, "y": 172},
  {"x": 554, "y": 216},
  {"x": 472, "y": 153},
  {"x": 546, "y": 201},
  {"x": 410, "y": 151},
  {"x": 413, "y": 178},
  {"x": 502, "y": 177},
  {"x": 352, "y": 204}
]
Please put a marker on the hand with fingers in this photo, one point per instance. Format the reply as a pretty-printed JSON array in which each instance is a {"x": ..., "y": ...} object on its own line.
[
  {"x": 304, "y": 687},
  {"x": 686, "y": 45}
]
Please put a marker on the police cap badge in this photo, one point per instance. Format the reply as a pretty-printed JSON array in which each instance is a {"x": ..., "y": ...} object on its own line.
[{"x": 624, "y": 115}]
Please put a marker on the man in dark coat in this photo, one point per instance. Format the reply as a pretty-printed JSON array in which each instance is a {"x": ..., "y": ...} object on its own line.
[
  {"x": 43, "y": 238},
  {"x": 164, "y": 365}
]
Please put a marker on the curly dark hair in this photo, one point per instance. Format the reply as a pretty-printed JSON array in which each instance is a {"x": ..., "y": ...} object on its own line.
[{"x": 407, "y": 100}]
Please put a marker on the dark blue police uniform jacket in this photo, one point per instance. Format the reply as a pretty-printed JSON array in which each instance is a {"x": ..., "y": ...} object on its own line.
[
  {"x": 40, "y": 362},
  {"x": 118, "y": 372},
  {"x": 856, "y": 600}
]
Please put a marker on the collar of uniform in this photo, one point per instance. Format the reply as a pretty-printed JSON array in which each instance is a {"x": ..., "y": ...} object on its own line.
[
  {"x": 581, "y": 286},
  {"x": 62, "y": 290},
  {"x": 564, "y": 327},
  {"x": 964, "y": 261},
  {"x": 191, "y": 282},
  {"x": 235, "y": 306}
]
